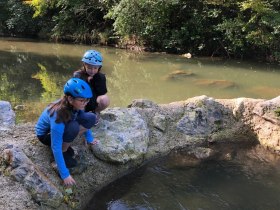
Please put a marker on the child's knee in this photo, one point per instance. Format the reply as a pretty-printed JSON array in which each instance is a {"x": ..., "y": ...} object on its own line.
[
  {"x": 103, "y": 101},
  {"x": 86, "y": 119}
]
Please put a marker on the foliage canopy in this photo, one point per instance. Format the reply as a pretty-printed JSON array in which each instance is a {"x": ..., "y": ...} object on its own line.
[{"x": 232, "y": 28}]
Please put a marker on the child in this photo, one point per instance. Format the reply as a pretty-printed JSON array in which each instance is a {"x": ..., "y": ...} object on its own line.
[
  {"x": 90, "y": 72},
  {"x": 62, "y": 121}
]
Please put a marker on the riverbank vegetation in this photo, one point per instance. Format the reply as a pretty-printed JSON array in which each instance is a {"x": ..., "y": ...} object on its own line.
[{"x": 247, "y": 29}]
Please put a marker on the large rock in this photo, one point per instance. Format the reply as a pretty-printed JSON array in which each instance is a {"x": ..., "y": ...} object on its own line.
[
  {"x": 202, "y": 117},
  {"x": 25, "y": 172},
  {"x": 7, "y": 116},
  {"x": 123, "y": 136},
  {"x": 266, "y": 123},
  {"x": 269, "y": 110}
]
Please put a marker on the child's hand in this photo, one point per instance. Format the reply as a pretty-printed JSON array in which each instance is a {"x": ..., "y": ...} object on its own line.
[
  {"x": 89, "y": 78},
  {"x": 69, "y": 181},
  {"x": 94, "y": 142}
]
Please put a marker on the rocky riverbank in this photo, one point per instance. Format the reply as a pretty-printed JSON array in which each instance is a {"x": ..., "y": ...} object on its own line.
[{"x": 128, "y": 137}]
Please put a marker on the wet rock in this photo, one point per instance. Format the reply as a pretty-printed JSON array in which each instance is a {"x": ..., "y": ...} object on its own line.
[{"x": 203, "y": 153}]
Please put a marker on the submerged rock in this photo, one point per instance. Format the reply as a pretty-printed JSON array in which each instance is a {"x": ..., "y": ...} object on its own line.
[
  {"x": 178, "y": 74},
  {"x": 216, "y": 83}
]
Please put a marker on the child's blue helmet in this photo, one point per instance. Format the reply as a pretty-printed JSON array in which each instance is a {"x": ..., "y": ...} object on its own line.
[
  {"x": 77, "y": 88},
  {"x": 92, "y": 57}
]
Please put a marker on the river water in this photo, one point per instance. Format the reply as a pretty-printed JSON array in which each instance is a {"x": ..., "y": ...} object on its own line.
[
  {"x": 33, "y": 74},
  {"x": 249, "y": 180}
]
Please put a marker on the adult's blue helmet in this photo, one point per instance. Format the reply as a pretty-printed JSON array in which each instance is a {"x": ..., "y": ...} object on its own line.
[
  {"x": 77, "y": 88},
  {"x": 92, "y": 57}
]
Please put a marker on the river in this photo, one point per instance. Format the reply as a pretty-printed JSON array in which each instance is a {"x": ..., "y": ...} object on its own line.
[
  {"x": 34, "y": 72},
  {"x": 248, "y": 180}
]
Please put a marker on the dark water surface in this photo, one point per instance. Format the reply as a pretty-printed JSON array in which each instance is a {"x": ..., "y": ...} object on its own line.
[
  {"x": 249, "y": 180},
  {"x": 32, "y": 74}
]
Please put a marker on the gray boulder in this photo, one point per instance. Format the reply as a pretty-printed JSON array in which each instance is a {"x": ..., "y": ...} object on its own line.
[
  {"x": 7, "y": 116},
  {"x": 24, "y": 171},
  {"x": 124, "y": 136}
]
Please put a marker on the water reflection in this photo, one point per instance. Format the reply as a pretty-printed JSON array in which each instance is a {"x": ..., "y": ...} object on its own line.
[
  {"x": 32, "y": 74},
  {"x": 248, "y": 181},
  {"x": 51, "y": 83}
]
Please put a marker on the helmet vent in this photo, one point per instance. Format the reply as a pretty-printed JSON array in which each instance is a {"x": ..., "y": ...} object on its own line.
[{"x": 83, "y": 87}]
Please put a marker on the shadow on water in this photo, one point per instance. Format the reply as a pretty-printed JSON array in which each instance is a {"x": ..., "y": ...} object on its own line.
[
  {"x": 237, "y": 179},
  {"x": 115, "y": 191}
]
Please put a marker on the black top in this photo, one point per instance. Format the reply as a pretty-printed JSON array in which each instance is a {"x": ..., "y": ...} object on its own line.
[{"x": 97, "y": 84}]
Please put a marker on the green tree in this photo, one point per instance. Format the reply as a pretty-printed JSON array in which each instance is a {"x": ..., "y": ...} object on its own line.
[
  {"x": 232, "y": 28},
  {"x": 16, "y": 18},
  {"x": 75, "y": 20},
  {"x": 175, "y": 25},
  {"x": 254, "y": 30}
]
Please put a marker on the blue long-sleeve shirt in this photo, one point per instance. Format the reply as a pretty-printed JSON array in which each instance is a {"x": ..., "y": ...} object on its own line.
[{"x": 46, "y": 124}]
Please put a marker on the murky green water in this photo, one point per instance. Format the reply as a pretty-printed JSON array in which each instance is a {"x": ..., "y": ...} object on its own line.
[
  {"x": 33, "y": 73},
  {"x": 249, "y": 181}
]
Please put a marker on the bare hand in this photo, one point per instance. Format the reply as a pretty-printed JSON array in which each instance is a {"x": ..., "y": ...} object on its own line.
[
  {"x": 94, "y": 142},
  {"x": 69, "y": 181},
  {"x": 89, "y": 78}
]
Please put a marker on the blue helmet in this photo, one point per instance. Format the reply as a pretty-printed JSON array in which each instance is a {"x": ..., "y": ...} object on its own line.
[
  {"x": 77, "y": 88},
  {"x": 92, "y": 57}
]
